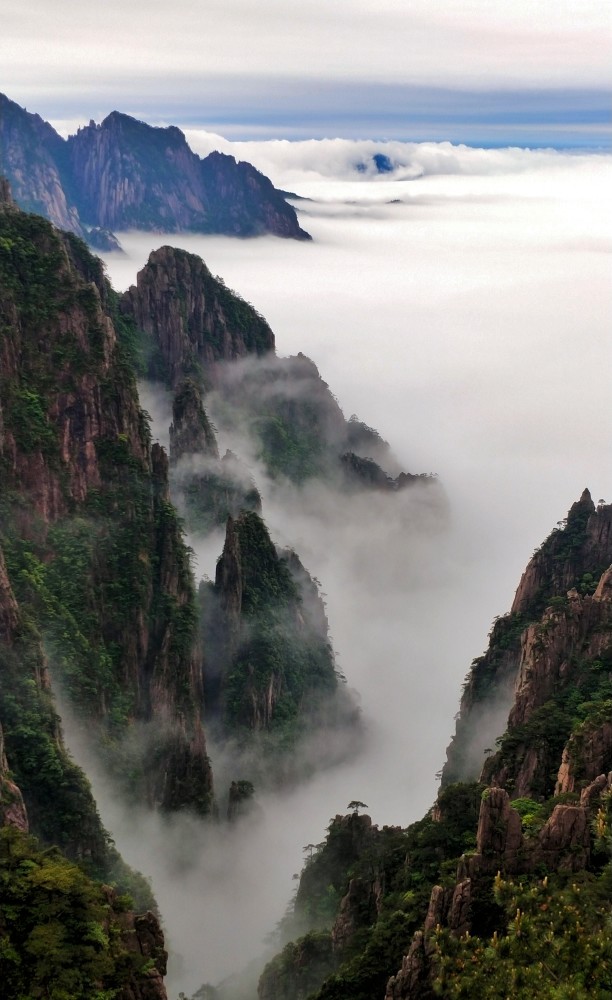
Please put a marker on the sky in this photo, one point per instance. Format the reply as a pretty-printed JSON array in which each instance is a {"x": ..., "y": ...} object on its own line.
[{"x": 485, "y": 72}]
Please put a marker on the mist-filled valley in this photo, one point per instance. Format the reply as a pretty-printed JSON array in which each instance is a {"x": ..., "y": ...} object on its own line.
[
  {"x": 464, "y": 315},
  {"x": 359, "y": 485}
]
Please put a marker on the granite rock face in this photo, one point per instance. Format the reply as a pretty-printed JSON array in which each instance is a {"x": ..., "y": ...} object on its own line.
[
  {"x": 31, "y": 158},
  {"x": 75, "y": 451},
  {"x": 583, "y": 544},
  {"x": 551, "y": 652},
  {"x": 123, "y": 174},
  {"x": 561, "y": 614},
  {"x": 13, "y": 811},
  {"x": 191, "y": 318}
]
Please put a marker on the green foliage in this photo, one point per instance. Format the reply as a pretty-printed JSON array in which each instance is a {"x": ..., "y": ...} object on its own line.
[
  {"x": 60, "y": 805},
  {"x": 60, "y": 936},
  {"x": 30, "y": 423},
  {"x": 557, "y": 945},
  {"x": 579, "y": 705},
  {"x": 404, "y": 864},
  {"x": 107, "y": 583},
  {"x": 531, "y": 814},
  {"x": 135, "y": 345},
  {"x": 211, "y": 497},
  {"x": 296, "y": 424},
  {"x": 365, "y": 976},
  {"x": 278, "y": 649},
  {"x": 291, "y": 443},
  {"x": 299, "y": 969}
]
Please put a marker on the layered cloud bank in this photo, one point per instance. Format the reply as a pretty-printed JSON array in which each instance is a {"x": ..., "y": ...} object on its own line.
[
  {"x": 477, "y": 71},
  {"x": 310, "y": 160}
]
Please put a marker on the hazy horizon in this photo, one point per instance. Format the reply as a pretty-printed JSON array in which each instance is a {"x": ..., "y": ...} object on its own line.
[{"x": 476, "y": 71}]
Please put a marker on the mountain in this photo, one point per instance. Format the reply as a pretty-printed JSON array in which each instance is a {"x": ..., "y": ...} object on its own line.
[
  {"x": 504, "y": 888},
  {"x": 124, "y": 174},
  {"x": 100, "y": 617}
]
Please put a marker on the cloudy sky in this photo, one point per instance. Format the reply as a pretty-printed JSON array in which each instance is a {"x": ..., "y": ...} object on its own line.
[{"x": 486, "y": 72}]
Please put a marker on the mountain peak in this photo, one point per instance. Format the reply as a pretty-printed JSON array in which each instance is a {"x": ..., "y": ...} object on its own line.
[{"x": 126, "y": 174}]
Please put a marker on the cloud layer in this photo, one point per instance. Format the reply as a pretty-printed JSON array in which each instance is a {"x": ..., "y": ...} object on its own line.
[
  {"x": 456, "y": 70},
  {"x": 465, "y": 314}
]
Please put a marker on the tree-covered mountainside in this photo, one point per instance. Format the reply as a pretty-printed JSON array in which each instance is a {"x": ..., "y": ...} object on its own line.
[
  {"x": 504, "y": 889},
  {"x": 197, "y": 328},
  {"x": 93, "y": 548},
  {"x": 124, "y": 174},
  {"x": 64, "y": 936},
  {"x": 98, "y": 603},
  {"x": 269, "y": 671},
  {"x": 505, "y": 884},
  {"x": 271, "y": 682}
]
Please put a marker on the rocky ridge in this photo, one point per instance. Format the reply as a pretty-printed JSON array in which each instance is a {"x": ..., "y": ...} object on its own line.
[
  {"x": 83, "y": 487},
  {"x": 124, "y": 174},
  {"x": 421, "y": 915}
]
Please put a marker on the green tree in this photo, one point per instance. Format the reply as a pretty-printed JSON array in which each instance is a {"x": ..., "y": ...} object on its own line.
[
  {"x": 557, "y": 946},
  {"x": 355, "y": 805}
]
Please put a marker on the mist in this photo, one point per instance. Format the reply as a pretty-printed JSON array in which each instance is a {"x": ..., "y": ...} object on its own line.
[{"x": 465, "y": 315}]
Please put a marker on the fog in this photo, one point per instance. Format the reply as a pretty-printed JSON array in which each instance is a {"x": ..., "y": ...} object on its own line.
[{"x": 466, "y": 316}]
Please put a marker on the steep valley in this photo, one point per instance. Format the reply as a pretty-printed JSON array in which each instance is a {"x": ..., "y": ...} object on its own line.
[
  {"x": 394, "y": 565},
  {"x": 99, "y": 598}
]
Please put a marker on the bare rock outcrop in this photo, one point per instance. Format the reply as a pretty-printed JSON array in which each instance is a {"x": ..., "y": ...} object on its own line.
[
  {"x": 9, "y": 611},
  {"x": 551, "y": 658},
  {"x": 587, "y": 754},
  {"x": 563, "y": 843},
  {"x": 192, "y": 319},
  {"x": 549, "y": 649},
  {"x": 499, "y": 827},
  {"x": 143, "y": 939},
  {"x": 124, "y": 174},
  {"x": 412, "y": 980},
  {"x": 589, "y": 796},
  {"x": 439, "y": 904},
  {"x": 358, "y": 908},
  {"x": 460, "y": 912},
  {"x": 30, "y": 156},
  {"x": 191, "y": 432},
  {"x": 582, "y": 545},
  {"x": 13, "y": 811}
]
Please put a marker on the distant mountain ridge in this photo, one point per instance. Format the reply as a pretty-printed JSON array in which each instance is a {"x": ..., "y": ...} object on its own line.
[{"x": 125, "y": 174}]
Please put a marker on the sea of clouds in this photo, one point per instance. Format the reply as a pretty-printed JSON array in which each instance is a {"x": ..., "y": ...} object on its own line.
[{"x": 461, "y": 305}]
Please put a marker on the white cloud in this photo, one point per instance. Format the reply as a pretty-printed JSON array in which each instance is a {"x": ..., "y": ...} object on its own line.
[
  {"x": 127, "y": 48},
  {"x": 470, "y": 325}
]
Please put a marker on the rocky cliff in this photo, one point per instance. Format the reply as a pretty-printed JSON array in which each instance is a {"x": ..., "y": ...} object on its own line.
[
  {"x": 93, "y": 548},
  {"x": 129, "y": 175},
  {"x": 270, "y": 669},
  {"x": 31, "y": 157},
  {"x": 554, "y": 622},
  {"x": 190, "y": 319},
  {"x": 553, "y": 760},
  {"x": 124, "y": 174},
  {"x": 503, "y": 889}
]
